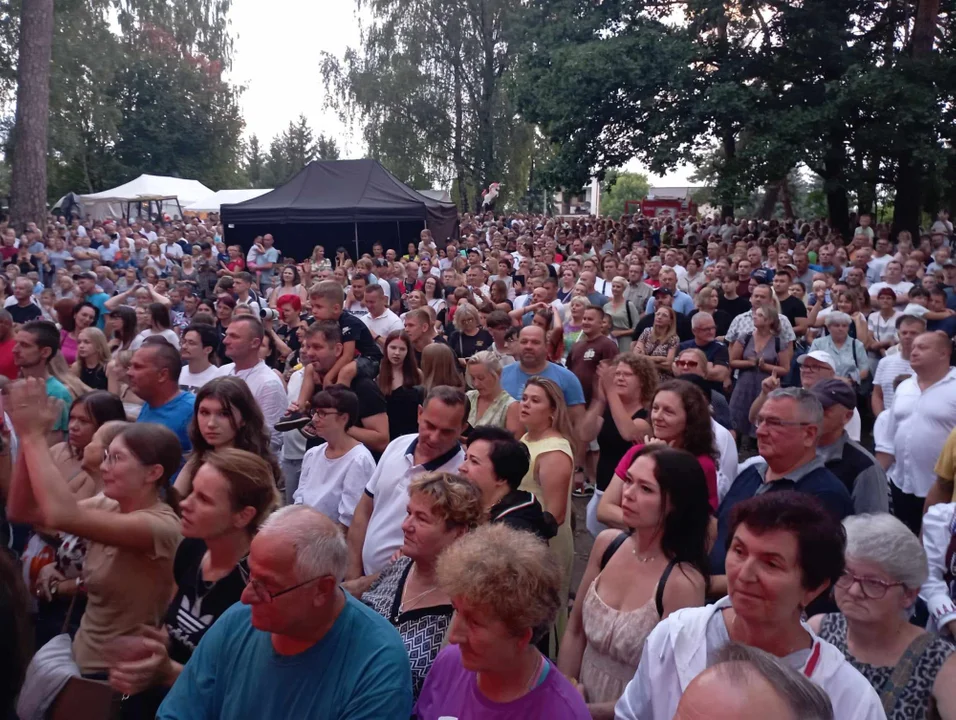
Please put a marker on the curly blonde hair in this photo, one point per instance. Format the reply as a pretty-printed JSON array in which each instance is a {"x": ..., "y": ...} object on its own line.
[
  {"x": 644, "y": 369},
  {"x": 510, "y": 573},
  {"x": 452, "y": 497}
]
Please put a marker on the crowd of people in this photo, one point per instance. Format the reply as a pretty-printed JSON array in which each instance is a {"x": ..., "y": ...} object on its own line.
[{"x": 239, "y": 484}]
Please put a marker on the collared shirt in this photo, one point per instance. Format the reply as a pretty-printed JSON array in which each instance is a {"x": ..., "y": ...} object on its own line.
[
  {"x": 920, "y": 422},
  {"x": 682, "y": 304},
  {"x": 743, "y": 325},
  {"x": 889, "y": 368},
  {"x": 638, "y": 293},
  {"x": 859, "y": 471},
  {"x": 382, "y": 325},
  {"x": 388, "y": 487},
  {"x": 812, "y": 478},
  {"x": 269, "y": 392}
]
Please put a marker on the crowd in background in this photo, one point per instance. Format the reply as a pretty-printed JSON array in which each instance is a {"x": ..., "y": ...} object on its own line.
[{"x": 242, "y": 484}]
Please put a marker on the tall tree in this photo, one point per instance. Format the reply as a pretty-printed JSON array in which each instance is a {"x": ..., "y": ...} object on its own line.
[
  {"x": 429, "y": 85},
  {"x": 254, "y": 162},
  {"x": 326, "y": 148},
  {"x": 28, "y": 190}
]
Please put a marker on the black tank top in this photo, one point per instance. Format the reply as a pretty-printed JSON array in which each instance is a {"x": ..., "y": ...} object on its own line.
[{"x": 612, "y": 447}]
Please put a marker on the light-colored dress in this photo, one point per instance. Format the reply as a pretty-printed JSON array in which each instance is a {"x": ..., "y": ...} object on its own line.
[
  {"x": 563, "y": 543},
  {"x": 495, "y": 414},
  {"x": 623, "y": 317},
  {"x": 615, "y": 642}
]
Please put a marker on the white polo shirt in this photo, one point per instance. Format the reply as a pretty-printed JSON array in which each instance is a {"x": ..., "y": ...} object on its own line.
[
  {"x": 919, "y": 423},
  {"x": 388, "y": 487},
  {"x": 382, "y": 325}
]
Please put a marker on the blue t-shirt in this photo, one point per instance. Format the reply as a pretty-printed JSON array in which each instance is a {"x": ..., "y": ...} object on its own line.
[
  {"x": 513, "y": 380},
  {"x": 98, "y": 300},
  {"x": 56, "y": 389},
  {"x": 359, "y": 671},
  {"x": 176, "y": 415}
]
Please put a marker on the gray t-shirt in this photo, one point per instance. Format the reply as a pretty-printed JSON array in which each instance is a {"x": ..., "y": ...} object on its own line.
[{"x": 717, "y": 637}]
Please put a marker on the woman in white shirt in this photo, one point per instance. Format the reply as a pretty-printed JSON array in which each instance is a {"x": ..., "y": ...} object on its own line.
[
  {"x": 334, "y": 474},
  {"x": 159, "y": 325},
  {"x": 785, "y": 551}
]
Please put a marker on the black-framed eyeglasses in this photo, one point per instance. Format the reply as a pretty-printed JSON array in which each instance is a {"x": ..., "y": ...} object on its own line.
[
  {"x": 872, "y": 588},
  {"x": 265, "y": 596},
  {"x": 325, "y": 412}
]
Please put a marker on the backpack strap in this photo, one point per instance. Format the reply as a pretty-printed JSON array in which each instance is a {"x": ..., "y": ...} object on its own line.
[
  {"x": 896, "y": 683},
  {"x": 659, "y": 597},
  {"x": 613, "y": 548}
]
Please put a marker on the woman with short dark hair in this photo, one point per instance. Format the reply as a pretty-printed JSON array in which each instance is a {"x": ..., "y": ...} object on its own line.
[
  {"x": 496, "y": 463},
  {"x": 785, "y": 550}
]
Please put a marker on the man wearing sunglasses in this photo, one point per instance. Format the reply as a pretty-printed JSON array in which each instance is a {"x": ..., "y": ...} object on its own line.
[{"x": 297, "y": 646}]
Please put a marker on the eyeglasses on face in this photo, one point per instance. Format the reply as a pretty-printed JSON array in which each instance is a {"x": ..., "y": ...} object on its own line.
[
  {"x": 325, "y": 412},
  {"x": 265, "y": 596},
  {"x": 872, "y": 588},
  {"x": 776, "y": 423}
]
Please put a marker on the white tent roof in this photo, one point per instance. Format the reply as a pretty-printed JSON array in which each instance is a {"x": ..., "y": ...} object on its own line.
[
  {"x": 153, "y": 186},
  {"x": 211, "y": 202}
]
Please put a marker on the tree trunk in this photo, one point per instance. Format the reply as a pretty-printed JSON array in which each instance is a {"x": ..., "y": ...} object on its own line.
[
  {"x": 458, "y": 141},
  {"x": 726, "y": 190},
  {"x": 909, "y": 175},
  {"x": 769, "y": 202},
  {"x": 28, "y": 182},
  {"x": 786, "y": 198}
]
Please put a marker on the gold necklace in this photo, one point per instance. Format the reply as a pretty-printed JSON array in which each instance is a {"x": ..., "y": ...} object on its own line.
[{"x": 402, "y": 605}]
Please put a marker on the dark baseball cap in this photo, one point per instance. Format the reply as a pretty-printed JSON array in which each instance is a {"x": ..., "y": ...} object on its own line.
[
  {"x": 762, "y": 276},
  {"x": 832, "y": 392},
  {"x": 662, "y": 291}
]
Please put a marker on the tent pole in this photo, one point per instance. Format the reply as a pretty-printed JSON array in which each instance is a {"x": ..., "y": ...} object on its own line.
[{"x": 356, "y": 242}]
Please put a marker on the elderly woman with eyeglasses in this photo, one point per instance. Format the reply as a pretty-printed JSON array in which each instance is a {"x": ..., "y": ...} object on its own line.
[
  {"x": 913, "y": 671},
  {"x": 848, "y": 352}
]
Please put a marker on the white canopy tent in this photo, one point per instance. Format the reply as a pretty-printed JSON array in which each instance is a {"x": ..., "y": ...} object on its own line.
[
  {"x": 168, "y": 194},
  {"x": 210, "y": 203}
]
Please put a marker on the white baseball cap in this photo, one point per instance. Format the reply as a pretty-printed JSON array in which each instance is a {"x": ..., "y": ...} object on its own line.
[{"x": 820, "y": 356}]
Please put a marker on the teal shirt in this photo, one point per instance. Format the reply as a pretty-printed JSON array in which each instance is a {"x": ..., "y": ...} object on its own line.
[
  {"x": 98, "y": 300},
  {"x": 358, "y": 671},
  {"x": 57, "y": 390}
]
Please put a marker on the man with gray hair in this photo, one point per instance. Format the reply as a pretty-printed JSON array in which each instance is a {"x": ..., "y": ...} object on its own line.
[
  {"x": 788, "y": 431},
  {"x": 297, "y": 645},
  {"x": 748, "y": 682}
]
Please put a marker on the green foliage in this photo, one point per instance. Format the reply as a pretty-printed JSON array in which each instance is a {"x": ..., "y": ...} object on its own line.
[
  {"x": 136, "y": 86},
  {"x": 290, "y": 151},
  {"x": 858, "y": 91},
  {"x": 619, "y": 187},
  {"x": 430, "y": 87}
]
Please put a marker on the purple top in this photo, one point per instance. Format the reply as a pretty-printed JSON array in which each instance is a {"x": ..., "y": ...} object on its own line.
[{"x": 451, "y": 692}]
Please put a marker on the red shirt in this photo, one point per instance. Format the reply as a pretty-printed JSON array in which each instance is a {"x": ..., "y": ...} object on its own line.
[
  {"x": 234, "y": 265},
  {"x": 706, "y": 464}
]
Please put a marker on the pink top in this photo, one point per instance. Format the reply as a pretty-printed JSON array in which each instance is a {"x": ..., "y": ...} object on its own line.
[
  {"x": 67, "y": 347},
  {"x": 706, "y": 464}
]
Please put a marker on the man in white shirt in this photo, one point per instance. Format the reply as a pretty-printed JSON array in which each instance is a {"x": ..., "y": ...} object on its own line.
[
  {"x": 893, "y": 279},
  {"x": 379, "y": 319},
  {"x": 922, "y": 417},
  {"x": 243, "y": 340},
  {"x": 242, "y": 286},
  {"x": 877, "y": 264},
  {"x": 199, "y": 343},
  {"x": 171, "y": 249},
  {"x": 357, "y": 290},
  {"x": 475, "y": 278},
  {"x": 376, "y": 530}
]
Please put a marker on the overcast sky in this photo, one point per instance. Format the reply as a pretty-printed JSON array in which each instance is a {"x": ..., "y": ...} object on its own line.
[{"x": 278, "y": 44}]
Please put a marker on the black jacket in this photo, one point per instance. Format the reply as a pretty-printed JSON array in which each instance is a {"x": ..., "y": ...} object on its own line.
[{"x": 522, "y": 511}]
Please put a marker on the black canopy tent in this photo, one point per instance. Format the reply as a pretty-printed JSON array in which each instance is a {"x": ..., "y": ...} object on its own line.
[{"x": 350, "y": 203}]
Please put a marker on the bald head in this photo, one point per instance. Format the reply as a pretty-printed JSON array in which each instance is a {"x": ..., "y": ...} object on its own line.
[
  {"x": 747, "y": 682},
  {"x": 930, "y": 354}
]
